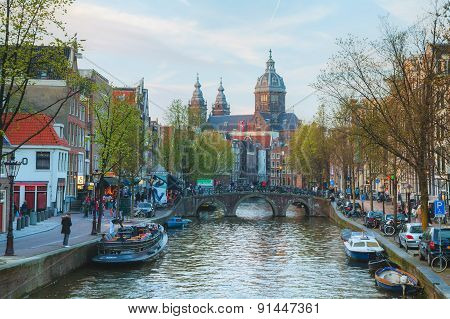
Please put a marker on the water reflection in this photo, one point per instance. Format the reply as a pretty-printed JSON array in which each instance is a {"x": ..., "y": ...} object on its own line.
[{"x": 252, "y": 256}]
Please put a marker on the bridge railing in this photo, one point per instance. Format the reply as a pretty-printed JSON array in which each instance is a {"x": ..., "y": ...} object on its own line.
[{"x": 257, "y": 189}]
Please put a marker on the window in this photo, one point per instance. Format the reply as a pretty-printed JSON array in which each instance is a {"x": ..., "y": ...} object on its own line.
[
  {"x": 264, "y": 98},
  {"x": 42, "y": 160},
  {"x": 274, "y": 98}
]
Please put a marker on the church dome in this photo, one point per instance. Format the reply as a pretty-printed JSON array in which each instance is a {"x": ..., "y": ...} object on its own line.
[{"x": 270, "y": 81}]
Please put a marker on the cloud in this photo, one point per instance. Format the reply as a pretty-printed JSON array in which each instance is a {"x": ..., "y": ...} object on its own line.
[
  {"x": 307, "y": 15},
  {"x": 406, "y": 10},
  {"x": 168, "y": 51}
]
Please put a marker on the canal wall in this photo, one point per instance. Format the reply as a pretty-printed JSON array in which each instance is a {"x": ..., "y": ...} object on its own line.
[
  {"x": 21, "y": 276},
  {"x": 434, "y": 286}
]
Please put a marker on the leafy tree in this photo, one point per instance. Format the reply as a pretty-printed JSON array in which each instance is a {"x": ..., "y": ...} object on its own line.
[
  {"x": 25, "y": 26},
  {"x": 212, "y": 155},
  {"x": 310, "y": 153},
  {"x": 116, "y": 126}
]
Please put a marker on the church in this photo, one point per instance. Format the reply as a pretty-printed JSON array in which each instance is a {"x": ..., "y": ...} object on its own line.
[{"x": 259, "y": 140}]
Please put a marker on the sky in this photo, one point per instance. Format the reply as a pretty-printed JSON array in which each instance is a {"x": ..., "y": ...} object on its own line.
[{"x": 167, "y": 42}]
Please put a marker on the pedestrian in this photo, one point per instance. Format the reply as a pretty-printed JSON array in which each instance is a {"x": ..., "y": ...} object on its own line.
[
  {"x": 87, "y": 204},
  {"x": 66, "y": 222},
  {"x": 24, "y": 209}
]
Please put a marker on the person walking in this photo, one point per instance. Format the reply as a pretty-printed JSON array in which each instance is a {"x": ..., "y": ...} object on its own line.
[{"x": 66, "y": 222}]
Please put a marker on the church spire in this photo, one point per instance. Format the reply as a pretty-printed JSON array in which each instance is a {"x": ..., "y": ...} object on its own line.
[
  {"x": 270, "y": 63},
  {"x": 197, "y": 105},
  {"x": 221, "y": 106}
]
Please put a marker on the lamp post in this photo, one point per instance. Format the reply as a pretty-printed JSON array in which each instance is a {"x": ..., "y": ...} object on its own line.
[
  {"x": 95, "y": 178},
  {"x": 12, "y": 168},
  {"x": 408, "y": 198},
  {"x": 383, "y": 197}
]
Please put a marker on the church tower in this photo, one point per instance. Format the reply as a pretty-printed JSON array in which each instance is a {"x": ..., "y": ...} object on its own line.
[
  {"x": 197, "y": 106},
  {"x": 270, "y": 91},
  {"x": 221, "y": 107}
]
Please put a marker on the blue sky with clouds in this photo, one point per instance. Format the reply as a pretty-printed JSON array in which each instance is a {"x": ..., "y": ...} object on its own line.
[{"x": 168, "y": 41}]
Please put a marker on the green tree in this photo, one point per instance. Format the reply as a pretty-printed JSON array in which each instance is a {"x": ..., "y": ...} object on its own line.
[
  {"x": 310, "y": 153},
  {"x": 116, "y": 126},
  {"x": 25, "y": 26},
  {"x": 212, "y": 155}
]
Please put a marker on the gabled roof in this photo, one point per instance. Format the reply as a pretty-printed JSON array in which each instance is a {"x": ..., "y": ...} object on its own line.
[{"x": 25, "y": 125}]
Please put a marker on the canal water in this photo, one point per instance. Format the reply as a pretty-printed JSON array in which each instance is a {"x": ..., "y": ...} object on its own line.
[{"x": 251, "y": 256}]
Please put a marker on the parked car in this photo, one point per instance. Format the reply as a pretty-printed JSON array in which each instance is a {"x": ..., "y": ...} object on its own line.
[
  {"x": 145, "y": 210},
  {"x": 429, "y": 245},
  {"x": 373, "y": 219},
  {"x": 409, "y": 235}
]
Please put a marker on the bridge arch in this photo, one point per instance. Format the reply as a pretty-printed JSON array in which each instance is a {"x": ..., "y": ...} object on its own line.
[
  {"x": 297, "y": 200},
  {"x": 255, "y": 195},
  {"x": 209, "y": 200}
]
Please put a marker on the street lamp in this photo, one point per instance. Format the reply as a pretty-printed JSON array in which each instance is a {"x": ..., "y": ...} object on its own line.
[
  {"x": 408, "y": 198},
  {"x": 95, "y": 178},
  {"x": 12, "y": 168},
  {"x": 383, "y": 187}
]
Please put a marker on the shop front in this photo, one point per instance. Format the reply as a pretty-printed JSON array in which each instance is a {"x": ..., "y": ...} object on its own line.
[{"x": 33, "y": 193}]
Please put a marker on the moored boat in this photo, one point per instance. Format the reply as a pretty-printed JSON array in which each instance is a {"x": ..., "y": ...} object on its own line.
[
  {"x": 362, "y": 247},
  {"x": 175, "y": 222},
  {"x": 396, "y": 280},
  {"x": 132, "y": 244}
]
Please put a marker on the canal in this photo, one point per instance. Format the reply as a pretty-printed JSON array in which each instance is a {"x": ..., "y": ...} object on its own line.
[{"x": 251, "y": 256}]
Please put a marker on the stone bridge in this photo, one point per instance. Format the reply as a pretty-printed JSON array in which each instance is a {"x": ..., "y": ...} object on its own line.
[{"x": 189, "y": 206}]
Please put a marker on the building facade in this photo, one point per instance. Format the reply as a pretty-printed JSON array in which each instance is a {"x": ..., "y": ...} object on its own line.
[{"x": 253, "y": 135}]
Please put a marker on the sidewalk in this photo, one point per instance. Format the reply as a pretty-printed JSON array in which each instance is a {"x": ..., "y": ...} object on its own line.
[
  {"x": 41, "y": 227},
  {"x": 46, "y": 236}
]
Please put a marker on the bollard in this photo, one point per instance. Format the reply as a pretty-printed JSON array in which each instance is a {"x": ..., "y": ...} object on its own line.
[
  {"x": 27, "y": 221},
  {"x": 22, "y": 222},
  {"x": 44, "y": 213},
  {"x": 33, "y": 218},
  {"x": 39, "y": 219},
  {"x": 19, "y": 224}
]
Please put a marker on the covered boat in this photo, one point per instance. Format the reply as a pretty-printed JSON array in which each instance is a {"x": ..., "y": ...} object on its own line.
[
  {"x": 396, "y": 280},
  {"x": 132, "y": 244},
  {"x": 175, "y": 222},
  {"x": 362, "y": 247}
]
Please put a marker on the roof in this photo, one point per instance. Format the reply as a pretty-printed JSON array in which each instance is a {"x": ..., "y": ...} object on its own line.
[
  {"x": 25, "y": 125},
  {"x": 270, "y": 81},
  {"x": 228, "y": 122}
]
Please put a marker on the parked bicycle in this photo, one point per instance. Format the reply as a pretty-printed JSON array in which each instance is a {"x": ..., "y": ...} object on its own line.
[{"x": 439, "y": 263}]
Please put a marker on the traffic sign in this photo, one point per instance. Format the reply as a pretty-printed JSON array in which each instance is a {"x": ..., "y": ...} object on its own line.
[
  {"x": 377, "y": 181},
  {"x": 439, "y": 208}
]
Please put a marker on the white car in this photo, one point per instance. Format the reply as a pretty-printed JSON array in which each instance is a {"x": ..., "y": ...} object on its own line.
[{"x": 409, "y": 235}]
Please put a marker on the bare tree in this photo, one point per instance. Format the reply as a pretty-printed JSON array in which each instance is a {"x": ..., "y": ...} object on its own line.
[{"x": 396, "y": 92}]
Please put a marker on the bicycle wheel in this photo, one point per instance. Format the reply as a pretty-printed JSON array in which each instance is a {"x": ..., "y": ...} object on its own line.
[
  {"x": 439, "y": 263},
  {"x": 389, "y": 230}
]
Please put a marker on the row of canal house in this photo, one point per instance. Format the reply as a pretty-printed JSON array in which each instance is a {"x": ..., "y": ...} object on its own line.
[
  {"x": 58, "y": 163},
  {"x": 42, "y": 178}
]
